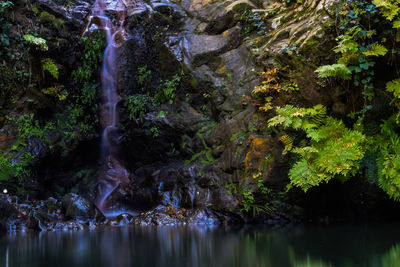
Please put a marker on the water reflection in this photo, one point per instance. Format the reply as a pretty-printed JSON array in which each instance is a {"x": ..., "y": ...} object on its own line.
[{"x": 174, "y": 247}]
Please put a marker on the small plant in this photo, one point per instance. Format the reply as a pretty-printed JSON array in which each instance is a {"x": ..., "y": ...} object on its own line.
[
  {"x": 18, "y": 167},
  {"x": 36, "y": 41},
  {"x": 269, "y": 83},
  {"x": 161, "y": 114},
  {"x": 335, "y": 70},
  {"x": 155, "y": 131},
  {"x": 49, "y": 65},
  {"x": 4, "y": 5},
  {"x": 137, "y": 105},
  {"x": 166, "y": 92},
  {"x": 144, "y": 75},
  {"x": 249, "y": 199},
  {"x": 56, "y": 91}
]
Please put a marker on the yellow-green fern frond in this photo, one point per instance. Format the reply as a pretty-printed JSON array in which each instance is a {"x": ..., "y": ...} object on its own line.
[
  {"x": 376, "y": 50},
  {"x": 334, "y": 70},
  {"x": 389, "y": 8},
  {"x": 288, "y": 142},
  {"x": 394, "y": 87},
  {"x": 396, "y": 24}
]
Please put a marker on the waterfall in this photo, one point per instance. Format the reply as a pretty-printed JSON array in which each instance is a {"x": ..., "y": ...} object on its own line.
[{"x": 113, "y": 173}]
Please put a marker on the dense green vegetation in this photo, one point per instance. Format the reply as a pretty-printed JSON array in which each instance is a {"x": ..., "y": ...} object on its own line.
[
  {"x": 323, "y": 147},
  {"x": 30, "y": 83}
]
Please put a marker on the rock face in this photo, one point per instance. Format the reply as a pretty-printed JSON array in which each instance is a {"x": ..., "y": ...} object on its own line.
[
  {"x": 209, "y": 137},
  {"x": 74, "y": 12},
  {"x": 192, "y": 134}
]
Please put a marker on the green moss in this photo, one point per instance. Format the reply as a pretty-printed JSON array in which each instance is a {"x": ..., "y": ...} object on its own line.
[{"x": 47, "y": 18}]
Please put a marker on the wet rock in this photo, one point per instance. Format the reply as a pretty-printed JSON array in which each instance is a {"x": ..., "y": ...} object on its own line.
[
  {"x": 74, "y": 12},
  {"x": 168, "y": 215},
  {"x": 52, "y": 203},
  {"x": 65, "y": 226},
  {"x": 8, "y": 211},
  {"x": 123, "y": 219},
  {"x": 201, "y": 48},
  {"x": 80, "y": 209},
  {"x": 37, "y": 147}
]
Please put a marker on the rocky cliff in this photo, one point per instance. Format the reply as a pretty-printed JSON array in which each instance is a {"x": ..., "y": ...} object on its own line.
[{"x": 194, "y": 131}]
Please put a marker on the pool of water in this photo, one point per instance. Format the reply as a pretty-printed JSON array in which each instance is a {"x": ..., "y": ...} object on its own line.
[{"x": 339, "y": 245}]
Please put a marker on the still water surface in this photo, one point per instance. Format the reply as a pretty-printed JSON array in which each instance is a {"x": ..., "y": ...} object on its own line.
[{"x": 343, "y": 245}]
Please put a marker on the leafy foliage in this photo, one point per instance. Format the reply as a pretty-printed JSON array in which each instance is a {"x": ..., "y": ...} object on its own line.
[
  {"x": 298, "y": 118},
  {"x": 4, "y": 5},
  {"x": 334, "y": 70},
  {"x": 376, "y": 50},
  {"x": 56, "y": 91},
  {"x": 137, "y": 105},
  {"x": 388, "y": 160},
  {"x": 389, "y": 8},
  {"x": 144, "y": 75},
  {"x": 270, "y": 82},
  {"x": 166, "y": 92},
  {"x": 36, "y": 41},
  {"x": 17, "y": 167},
  {"x": 331, "y": 148},
  {"x": 254, "y": 195},
  {"x": 394, "y": 87},
  {"x": 49, "y": 65}
]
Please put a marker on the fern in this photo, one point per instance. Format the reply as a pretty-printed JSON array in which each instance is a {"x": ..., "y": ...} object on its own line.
[
  {"x": 389, "y": 8},
  {"x": 303, "y": 175},
  {"x": 335, "y": 70},
  {"x": 298, "y": 118},
  {"x": 376, "y": 50},
  {"x": 288, "y": 142},
  {"x": 394, "y": 87},
  {"x": 331, "y": 149},
  {"x": 388, "y": 160},
  {"x": 270, "y": 83},
  {"x": 396, "y": 24},
  {"x": 267, "y": 105}
]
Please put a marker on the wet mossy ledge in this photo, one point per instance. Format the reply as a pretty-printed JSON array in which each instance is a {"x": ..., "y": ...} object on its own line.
[{"x": 270, "y": 112}]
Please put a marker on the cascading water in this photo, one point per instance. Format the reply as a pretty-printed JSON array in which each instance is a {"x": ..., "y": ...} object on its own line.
[{"x": 113, "y": 172}]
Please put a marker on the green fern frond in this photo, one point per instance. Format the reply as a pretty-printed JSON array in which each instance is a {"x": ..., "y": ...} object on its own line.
[
  {"x": 389, "y": 8},
  {"x": 334, "y": 70},
  {"x": 394, "y": 87},
  {"x": 388, "y": 160},
  {"x": 306, "y": 151},
  {"x": 396, "y": 24},
  {"x": 298, "y": 118},
  {"x": 319, "y": 118},
  {"x": 376, "y": 50},
  {"x": 313, "y": 134},
  {"x": 288, "y": 142},
  {"x": 303, "y": 175},
  {"x": 333, "y": 150}
]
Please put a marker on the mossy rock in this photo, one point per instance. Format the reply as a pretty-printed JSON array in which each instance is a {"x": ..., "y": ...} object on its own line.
[{"x": 258, "y": 158}]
